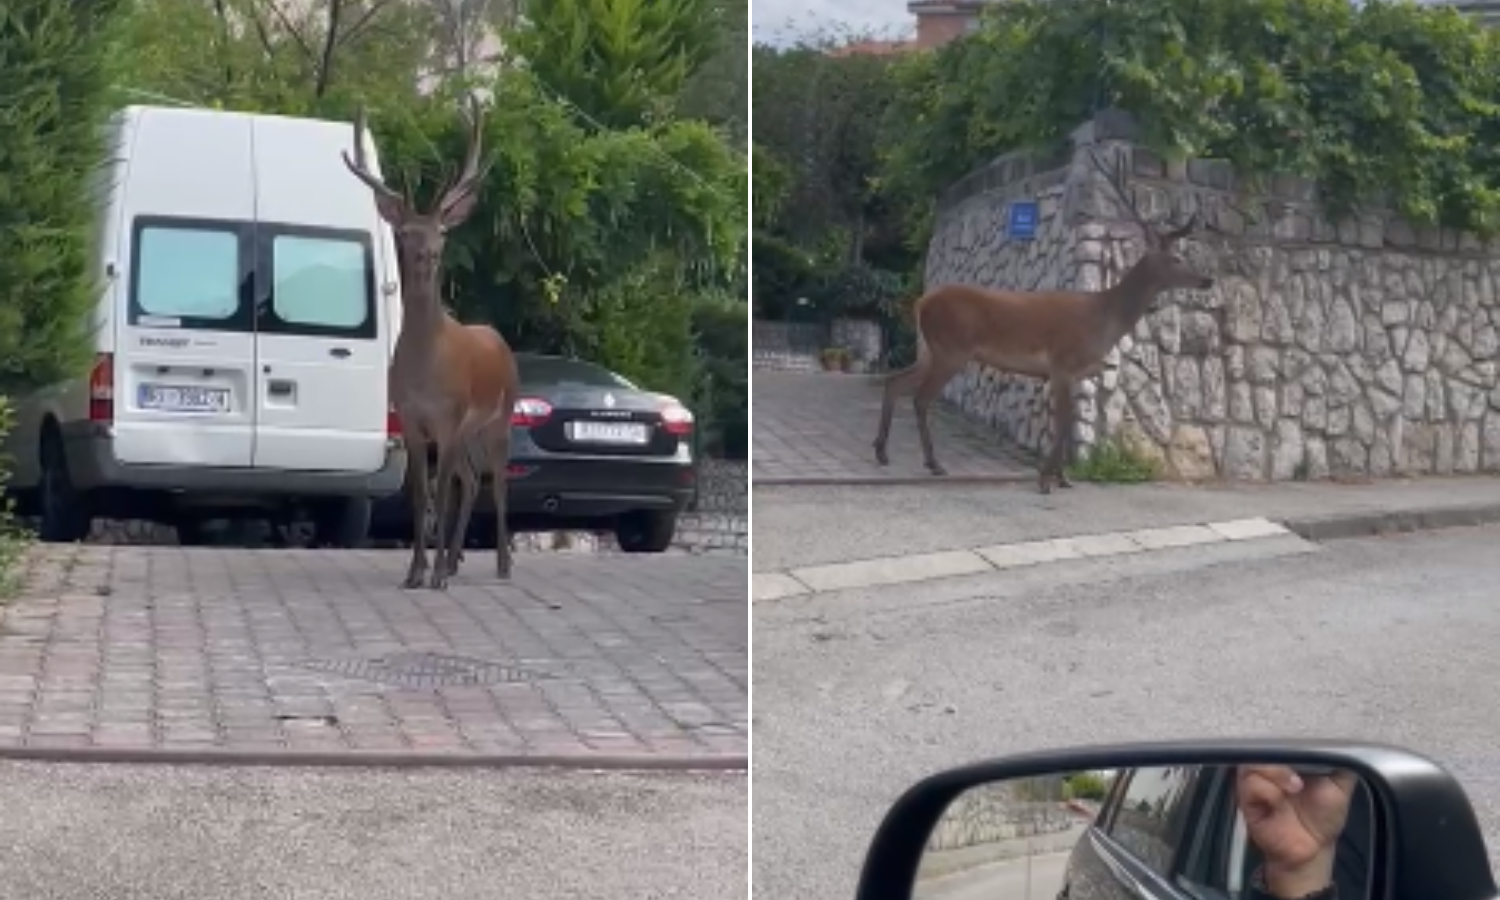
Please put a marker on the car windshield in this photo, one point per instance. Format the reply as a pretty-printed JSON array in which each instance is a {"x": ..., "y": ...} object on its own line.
[{"x": 554, "y": 370}]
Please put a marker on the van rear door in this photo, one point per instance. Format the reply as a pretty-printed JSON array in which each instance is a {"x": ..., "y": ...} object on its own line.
[
  {"x": 322, "y": 332},
  {"x": 185, "y": 347}
]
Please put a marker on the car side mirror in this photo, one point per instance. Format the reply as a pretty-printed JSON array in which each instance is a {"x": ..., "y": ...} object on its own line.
[{"x": 1249, "y": 819}]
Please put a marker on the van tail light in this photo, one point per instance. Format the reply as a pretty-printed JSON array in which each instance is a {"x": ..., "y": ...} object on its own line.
[
  {"x": 677, "y": 420},
  {"x": 392, "y": 423},
  {"x": 529, "y": 412},
  {"x": 102, "y": 389}
]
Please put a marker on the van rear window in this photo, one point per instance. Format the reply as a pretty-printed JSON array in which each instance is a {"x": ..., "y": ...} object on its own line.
[
  {"x": 187, "y": 273},
  {"x": 322, "y": 282}
]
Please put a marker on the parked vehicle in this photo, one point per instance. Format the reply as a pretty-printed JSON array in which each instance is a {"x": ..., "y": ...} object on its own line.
[
  {"x": 1216, "y": 820},
  {"x": 589, "y": 451},
  {"x": 249, "y": 307}
]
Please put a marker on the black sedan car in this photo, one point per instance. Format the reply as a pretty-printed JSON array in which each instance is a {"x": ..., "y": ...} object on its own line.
[
  {"x": 590, "y": 451},
  {"x": 1177, "y": 834}
]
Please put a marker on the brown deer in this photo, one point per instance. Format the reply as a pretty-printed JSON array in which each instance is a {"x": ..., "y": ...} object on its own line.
[
  {"x": 454, "y": 386},
  {"x": 1060, "y": 336}
]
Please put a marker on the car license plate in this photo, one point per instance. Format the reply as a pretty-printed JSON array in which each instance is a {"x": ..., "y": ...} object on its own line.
[
  {"x": 175, "y": 398},
  {"x": 608, "y": 432}
]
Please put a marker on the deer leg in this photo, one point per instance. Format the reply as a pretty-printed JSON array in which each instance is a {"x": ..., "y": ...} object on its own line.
[
  {"x": 468, "y": 469},
  {"x": 419, "y": 490},
  {"x": 438, "y": 578},
  {"x": 895, "y": 384},
  {"x": 933, "y": 380},
  {"x": 1062, "y": 431},
  {"x": 499, "y": 462}
]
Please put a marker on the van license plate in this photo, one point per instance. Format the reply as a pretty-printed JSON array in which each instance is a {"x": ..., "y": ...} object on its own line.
[
  {"x": 171, "y": 398},
  {"x": 608, "y": 432}
]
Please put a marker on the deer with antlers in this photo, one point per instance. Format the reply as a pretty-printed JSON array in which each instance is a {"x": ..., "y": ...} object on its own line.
[
  {"x": 454, "y": 386},
  {"x": 1060, "y": 336}
]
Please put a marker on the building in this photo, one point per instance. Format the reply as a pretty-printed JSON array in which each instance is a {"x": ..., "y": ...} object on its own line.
[
  {"x": 1486, "y": 11},
  {"x": 941, "y": 21}
]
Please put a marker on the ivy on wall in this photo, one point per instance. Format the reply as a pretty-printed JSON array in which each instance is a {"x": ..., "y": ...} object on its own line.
[{"x": 1387, "y": 101}]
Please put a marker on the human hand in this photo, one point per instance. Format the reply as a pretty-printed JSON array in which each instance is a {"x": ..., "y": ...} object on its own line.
[{"x": 1296, "y": 822}]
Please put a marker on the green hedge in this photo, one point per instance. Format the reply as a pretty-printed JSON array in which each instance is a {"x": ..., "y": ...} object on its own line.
[
  {"x": 12, "y": 539},
  {"x": 54, "y": 96},
  {"x": 1382, "y": 100}
]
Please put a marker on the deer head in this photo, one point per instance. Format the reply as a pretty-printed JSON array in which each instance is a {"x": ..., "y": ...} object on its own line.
[
  {"x": 1161, "y": 267},
  {"x": 421, "y": 236}
]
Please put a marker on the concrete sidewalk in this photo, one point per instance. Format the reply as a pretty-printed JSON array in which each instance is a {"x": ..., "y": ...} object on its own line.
[{"x": 839, "y": 538}]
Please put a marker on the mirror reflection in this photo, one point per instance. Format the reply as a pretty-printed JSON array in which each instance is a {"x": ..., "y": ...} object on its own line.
[{"x": 1247, "y": 832}]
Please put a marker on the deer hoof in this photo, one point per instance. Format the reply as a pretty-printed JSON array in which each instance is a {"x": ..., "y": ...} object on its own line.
[
  {"x": 880, "y": 456},
  {"x": 936, "y": 469},
  {"x": 413, "y": 580},
  {"x": 438, "y": 581},
  {"x": 1063, "y": 482}
]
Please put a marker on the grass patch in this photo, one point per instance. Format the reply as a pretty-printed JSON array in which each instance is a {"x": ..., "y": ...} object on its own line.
[
  {"x": 1113, "y": 461},
  {"x": 13, "y": 539}
]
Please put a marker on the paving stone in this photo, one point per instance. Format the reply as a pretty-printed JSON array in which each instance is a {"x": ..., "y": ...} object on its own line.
[
  {"x": 821, "y": 425},
  {"x": 131, "y": 646}
]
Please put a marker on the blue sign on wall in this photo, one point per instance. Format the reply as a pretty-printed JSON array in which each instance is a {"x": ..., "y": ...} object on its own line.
[{"x": 1023, "y": 220}]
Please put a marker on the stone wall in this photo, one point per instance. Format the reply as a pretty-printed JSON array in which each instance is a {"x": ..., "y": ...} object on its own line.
[
  {"x": 1327, "y": 348},
  {"x": 991, "y": 813}
]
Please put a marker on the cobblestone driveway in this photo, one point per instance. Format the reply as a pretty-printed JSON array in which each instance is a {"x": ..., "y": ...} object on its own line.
[
  {"x": 817, "y": 428},
  {"x": 265, "y": 651}
]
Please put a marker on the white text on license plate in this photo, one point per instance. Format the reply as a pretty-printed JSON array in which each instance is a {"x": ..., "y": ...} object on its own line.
[
  {"x": 608, "y": 432},
  {"x": 188, "y": 399}
]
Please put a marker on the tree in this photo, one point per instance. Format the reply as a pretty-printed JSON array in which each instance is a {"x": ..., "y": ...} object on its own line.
[
  {"x": 623, "y": 62},
  {"x": 719, "y": 91},
  {"x": 55, "y": 59}
]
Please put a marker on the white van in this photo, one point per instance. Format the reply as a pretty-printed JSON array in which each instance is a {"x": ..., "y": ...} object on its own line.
[{"x": 250, "y": 305}]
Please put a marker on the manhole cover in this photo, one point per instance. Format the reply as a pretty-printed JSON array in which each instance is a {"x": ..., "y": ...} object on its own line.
[{"x": 425, "y": 670}]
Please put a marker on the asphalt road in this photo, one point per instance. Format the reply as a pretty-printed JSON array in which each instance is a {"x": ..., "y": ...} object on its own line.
[
  {"x": 70, "y": 832},
  {"x": 857, "y": 695},
  {"x": 1027, "y": 878}
]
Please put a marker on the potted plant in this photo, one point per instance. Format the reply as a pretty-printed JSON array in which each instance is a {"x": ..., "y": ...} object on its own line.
[{"x": 834, "y": 358}]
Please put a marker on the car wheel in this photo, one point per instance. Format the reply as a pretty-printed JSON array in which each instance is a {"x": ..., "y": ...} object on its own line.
[
  {"x": 64, "y": 513},
  {"x": 191, "y": 531},
  {"x": 343, "y": 523},
  {"x": 646, "y": 532}
]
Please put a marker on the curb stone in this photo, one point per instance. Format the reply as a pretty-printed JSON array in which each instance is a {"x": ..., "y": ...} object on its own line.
[
  {"x": 603, "y": 762},
  {"x": 1345, "y": 526}
]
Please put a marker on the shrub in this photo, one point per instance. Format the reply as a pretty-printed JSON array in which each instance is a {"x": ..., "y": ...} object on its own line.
[
  {"x": 1087, "y": 786},
  {"x": 1114, "y": 461},
  {"x": 12, "y": 539},
  {"x": 722, "y": 398}
]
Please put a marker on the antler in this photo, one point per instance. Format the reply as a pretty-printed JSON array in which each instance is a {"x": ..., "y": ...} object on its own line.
[
  {"x": 1129, "y": 204},
  {"x": 471, "y": 174},
  {"x": 360, "y": 167},
  {"x": 1162, "y": 241}
]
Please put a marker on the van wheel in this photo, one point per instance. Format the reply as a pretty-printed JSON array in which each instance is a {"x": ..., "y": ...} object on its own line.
[
  {"x": 64, "y": 514},
  {"x": 343, "y": 523},
  {"x": 646, "y": 532}
]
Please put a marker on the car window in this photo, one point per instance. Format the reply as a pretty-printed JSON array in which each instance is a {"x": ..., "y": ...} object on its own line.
[
  {"x": 186, "y": 272},
  {"x": 318, "y": 281},
  {"x": 1153, "y": 813},
  {"x": 553, "y": 370}
]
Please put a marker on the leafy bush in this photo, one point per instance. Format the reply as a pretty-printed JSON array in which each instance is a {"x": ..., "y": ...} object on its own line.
[
  {"x": 12, "y": 540},
  {"x": 1386, "y": 97},
  {"x": 722, "y": 398},
  {"x": 1086, "y": 786},
  {"x": 54, "y": 89},
  {"x": 1114, "y": 461}
]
